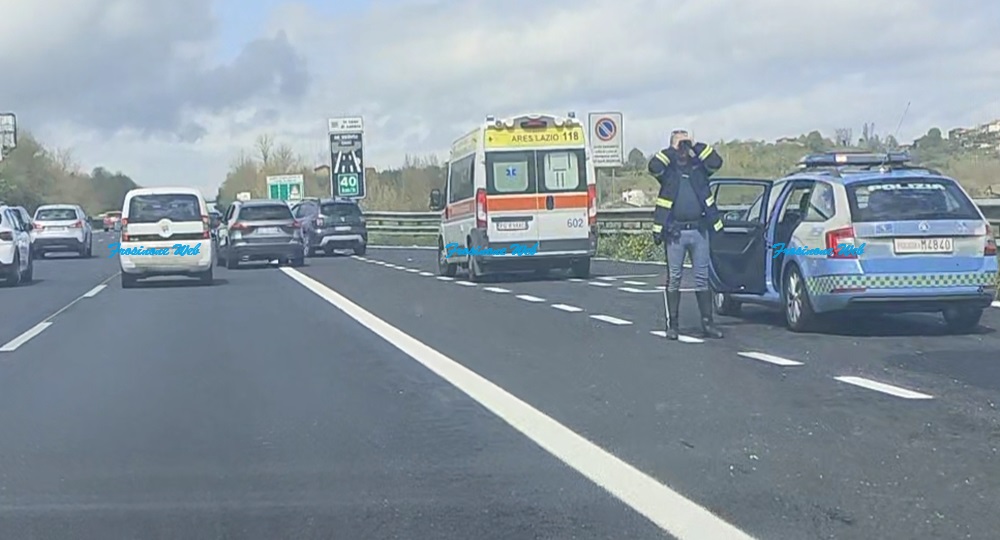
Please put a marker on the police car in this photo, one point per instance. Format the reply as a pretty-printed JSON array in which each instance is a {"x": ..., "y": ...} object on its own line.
[{"x": 853, "y": 231}]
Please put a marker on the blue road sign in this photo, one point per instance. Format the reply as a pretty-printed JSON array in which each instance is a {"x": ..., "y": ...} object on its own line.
[{"x": 605, "y": 129}]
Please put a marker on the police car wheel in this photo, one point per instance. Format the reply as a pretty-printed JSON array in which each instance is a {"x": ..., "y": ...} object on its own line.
[
  {"x": 962, "y": 319},
  {"x": 799, "y": 315},
  {"x": 726, "y": 305}
]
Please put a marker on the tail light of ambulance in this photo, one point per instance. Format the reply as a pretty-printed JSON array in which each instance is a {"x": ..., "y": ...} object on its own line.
[
  {"x": 206, "y": 225},
  {"x": 991, "y": 242},
  {"x": 837, "y": 237},
  {"x": 481, "y": 208},
  {"x": 592, "y": 205}
]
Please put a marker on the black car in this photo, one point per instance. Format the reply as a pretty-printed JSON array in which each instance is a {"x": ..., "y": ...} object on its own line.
[
  {"x": 332, "y": 224},
  {"x": 259, "y": 230}
]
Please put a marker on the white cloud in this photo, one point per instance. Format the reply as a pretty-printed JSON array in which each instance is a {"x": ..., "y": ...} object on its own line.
[{"x": 423, "y": 72}]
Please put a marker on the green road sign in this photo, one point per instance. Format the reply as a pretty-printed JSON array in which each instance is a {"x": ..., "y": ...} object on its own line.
[
  {"x": 285, "y": 187},
  {"x": 348, "y": 185}
]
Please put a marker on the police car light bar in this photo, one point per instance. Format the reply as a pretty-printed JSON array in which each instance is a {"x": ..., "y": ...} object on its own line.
[{"x": 837, "y": 159}]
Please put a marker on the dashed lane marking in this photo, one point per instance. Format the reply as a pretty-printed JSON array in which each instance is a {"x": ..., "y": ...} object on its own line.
[
  {"x": 607, "y": 278},
  {"x": 668, "y": 509},
  {"x": 576, "y": 280},
  {"x": 682, "y": 338},
  {"x": 465, "y": 283},
  {"x": 499, "y": 290},
  {"x": 996, "y": 303},
  {"x": 567, "y": 308},
  {"x": 446, "y": 278},
  {"x": 529, "y": 298},
  {"x": 769, "y": 358},
  {"x": 413, "y": 270},
  {"x": 638, "y": 291},
  {"x": 13, "y": 344},
  {"x": 884, "y": 388},
  {"x": 640, "y": 283},
  {"x": 426, "y": 274},
  {"x": 93, "y": 292},
  {"x": 601, "y": 284},
  {"x": 611, "y": 320}
]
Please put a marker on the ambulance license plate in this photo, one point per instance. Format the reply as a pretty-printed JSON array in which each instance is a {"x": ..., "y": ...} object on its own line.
[{"x": 511, "y": 225}]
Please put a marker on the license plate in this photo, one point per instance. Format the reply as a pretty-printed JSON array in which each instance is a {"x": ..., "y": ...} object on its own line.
[
  {"x": 511, "y": 225},
  {"x": 56, "y": 229},
  {"x": 924, "y": 245},
  {"x": 342, "y": 228},
  {"x": 269, "y": 230}
]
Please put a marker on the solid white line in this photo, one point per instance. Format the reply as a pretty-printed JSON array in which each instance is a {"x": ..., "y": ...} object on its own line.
[
  {"x": 668, "y": 509},
  {"x": 642, "y": 283},
  {"x": 884, "y": 388},
  {"x": 500, "y": 290},
  {"x": 600, "y": 284},
  {"x": 465, "y": 283},
  {"x": 682, "y": 338},
  {"x": 529, "y": 298},
  {"x": 446, "y": 278},
  {"x": 996, "y": 303},
  {"x": 426, "y": 274},
  {"x": 93, "y": 292},
  {"x": 564, "y": 307},
  {"x": 769, "y": 358},
  {"x": 13, "y": 344},
  {"x": 611, "y": 320},
  {"x": 413, "y": 270}
]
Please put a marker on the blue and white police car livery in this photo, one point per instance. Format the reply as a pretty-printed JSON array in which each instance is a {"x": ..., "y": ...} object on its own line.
[{"x": 853, "y": 231}]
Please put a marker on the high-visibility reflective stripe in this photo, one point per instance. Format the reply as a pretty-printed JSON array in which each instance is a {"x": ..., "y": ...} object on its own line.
[
  {"x": 706, "y": 152},
  {"x": 710, "y": 200},
  {"x": 665, "y": 203},
  {"x": 662, "y": 157},
  {"x": 718, "y": 225},
  {"x": 657, "y": 228}
]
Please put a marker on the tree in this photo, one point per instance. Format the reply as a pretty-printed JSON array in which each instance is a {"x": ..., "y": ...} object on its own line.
[{"x": 636, "y": 160}]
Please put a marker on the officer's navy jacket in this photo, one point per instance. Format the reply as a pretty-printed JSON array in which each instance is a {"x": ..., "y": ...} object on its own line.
[{"x": 664, "y": 167}]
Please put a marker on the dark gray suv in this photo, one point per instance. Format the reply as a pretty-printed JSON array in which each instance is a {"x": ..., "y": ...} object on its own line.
[
  {"x": 260, "y": 230},
  {"x": 332, "y": 224}
]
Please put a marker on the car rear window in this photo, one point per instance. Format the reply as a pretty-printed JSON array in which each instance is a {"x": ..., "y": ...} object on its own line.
[
  {"x": 266, "y": 212},
  {"x": 55, "y": 214},
  {"x": 340, "y": 210},
  {"x": 172, "y": 206},
  {"x": 910, "y": 199}
]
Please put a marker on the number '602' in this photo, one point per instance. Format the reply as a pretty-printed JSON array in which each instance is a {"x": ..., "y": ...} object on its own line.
[{"x": 575, "y": 223}]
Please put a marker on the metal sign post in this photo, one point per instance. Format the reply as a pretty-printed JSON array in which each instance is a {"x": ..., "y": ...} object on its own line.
[
  {"x": 8, "y": 133},
  {"x": 347, "y": 171}
]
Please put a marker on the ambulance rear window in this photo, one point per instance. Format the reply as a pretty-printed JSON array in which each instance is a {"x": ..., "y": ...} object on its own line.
[{"x": 910, "y": 199}]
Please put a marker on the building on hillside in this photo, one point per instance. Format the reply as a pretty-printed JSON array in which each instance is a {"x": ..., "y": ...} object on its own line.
[
  {"x": 984, "y": 136},
  {"x": 635, "y": 197}
]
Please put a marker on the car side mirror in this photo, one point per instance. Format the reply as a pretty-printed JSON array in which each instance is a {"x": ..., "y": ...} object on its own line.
[{"x": 436, "y": 202}]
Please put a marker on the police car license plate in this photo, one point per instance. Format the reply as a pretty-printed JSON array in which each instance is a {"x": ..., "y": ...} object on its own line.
[
  {"x": 512, "y": 225},
  {"x": 924, "y": 245}
]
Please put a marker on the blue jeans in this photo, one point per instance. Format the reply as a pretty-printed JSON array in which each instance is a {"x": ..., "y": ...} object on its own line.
[{"x": 695, "y": 243}]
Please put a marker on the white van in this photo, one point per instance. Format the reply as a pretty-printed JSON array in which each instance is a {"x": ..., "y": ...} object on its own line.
[
  {"x": 515, "y": 183},
  {"x": 165, "y": 231}
]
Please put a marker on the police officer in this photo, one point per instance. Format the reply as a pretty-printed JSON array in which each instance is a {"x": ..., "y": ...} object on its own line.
[{"x": 685, "y": 218}]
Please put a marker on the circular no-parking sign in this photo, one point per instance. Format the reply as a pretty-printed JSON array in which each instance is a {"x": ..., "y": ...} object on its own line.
[{"x": 605, "y": 129}]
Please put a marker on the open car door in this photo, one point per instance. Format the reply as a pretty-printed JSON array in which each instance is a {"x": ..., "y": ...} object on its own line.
[{"x": 738, "y": 251}]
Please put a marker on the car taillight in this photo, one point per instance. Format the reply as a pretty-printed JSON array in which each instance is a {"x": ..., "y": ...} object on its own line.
[
  {"x": 77, "y": 225},
  {"x": 991, "y": 242},
  {"x": 239, "y": 227},
  {"x": 837, "y": 237},
  {"x": 481, "y": 208},
  {"x": 38, "y": 226},
  {"x": 592, "y": 204},
  {"x": 6, "y": 236}
]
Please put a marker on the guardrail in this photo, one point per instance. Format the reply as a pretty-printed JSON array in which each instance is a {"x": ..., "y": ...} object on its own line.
[{"x": 609, "y": 220}]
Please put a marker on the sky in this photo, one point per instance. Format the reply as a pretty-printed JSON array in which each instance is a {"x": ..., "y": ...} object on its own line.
[{"x": 170, "y": 92}]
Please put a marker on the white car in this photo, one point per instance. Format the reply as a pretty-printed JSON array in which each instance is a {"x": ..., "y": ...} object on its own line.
[
  {"x": 62, "y": 228},
  {"x": 16, "y": 260},
  {"x": 165, "y": 231}
]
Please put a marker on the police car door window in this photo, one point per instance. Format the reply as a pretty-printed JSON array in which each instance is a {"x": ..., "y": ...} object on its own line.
[
  {"x": 821, "y": 204},
  {"x": 728, "y": 197}
]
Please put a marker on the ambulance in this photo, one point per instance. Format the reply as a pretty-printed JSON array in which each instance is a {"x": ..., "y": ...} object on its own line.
[{"x": 521, "y": 194}]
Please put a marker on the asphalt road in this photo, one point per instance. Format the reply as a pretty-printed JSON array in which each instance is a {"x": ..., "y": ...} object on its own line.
[{"x": 367, "y": 398}]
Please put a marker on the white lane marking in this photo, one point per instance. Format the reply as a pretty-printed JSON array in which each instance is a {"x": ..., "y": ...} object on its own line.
[
  {"x": 600, "y": 284},
  {"x": 576, "y": 280},
  {"x": 996, "y": 303},
  {"x": 93, "y": 292},
  {"x": 663, "y": 288},
  {"x": 465, "y": 283},
  {"x": 607, "y": 278},
  {"x": 884, "y": 388},
  {"x": 564, "y": 307},
  {"x": 499, "y": 290},
  {"x": 682, "y": 338},
  {"x": 769, "y": 358},
  {"x": 413, "y": 270},
  {"x": 426, "y": 274},
  {"x": 446, "y": 278},
  {"x": 13, "y": 344},
  {"x": 529, "y": 298},
  {"x": 641, "y": 283},
  {"x": 402, "y": 247},
  {"x": 637, "y": 291},
  {"x": 665, "y": 507},
  {"x": 635, "y": 276},
  {"x": 611, "y": 320}
]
